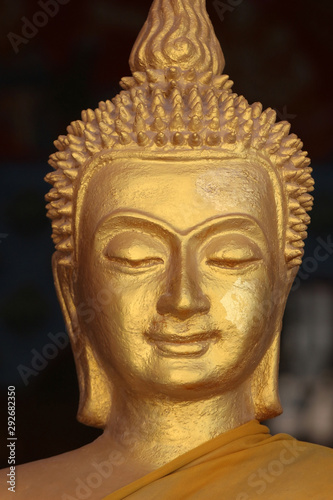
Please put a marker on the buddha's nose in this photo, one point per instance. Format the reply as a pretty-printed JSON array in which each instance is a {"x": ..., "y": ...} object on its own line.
[{"x": 183, "y": 297}]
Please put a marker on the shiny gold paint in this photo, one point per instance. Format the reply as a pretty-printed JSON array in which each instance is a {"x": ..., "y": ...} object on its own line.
[
  {"x": 178, "y": 214},
  {"x": 183, "y": 324}
]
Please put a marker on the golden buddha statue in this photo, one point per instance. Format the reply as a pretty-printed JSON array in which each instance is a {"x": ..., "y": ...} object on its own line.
[{"x": 181, "y": 211}]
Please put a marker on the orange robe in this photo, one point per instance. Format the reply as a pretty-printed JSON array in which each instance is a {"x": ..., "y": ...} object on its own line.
[{"x": 246, "y": 463}]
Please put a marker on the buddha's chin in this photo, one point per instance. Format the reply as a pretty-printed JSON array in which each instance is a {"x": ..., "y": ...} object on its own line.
[
  {"x": 185, "y": 390},
  {"x": 186, "y": 379},
  {"x": 193, "y": 368}
]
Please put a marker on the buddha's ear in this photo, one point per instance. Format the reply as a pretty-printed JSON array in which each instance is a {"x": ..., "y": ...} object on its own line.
[
  {"x": 265, "y": 379},
  {"x": 291, "y": 275},
  {"x": 95, "y": 399},
  {"x": 264, "y": 382},
  {"x": 63, "y": 281}
]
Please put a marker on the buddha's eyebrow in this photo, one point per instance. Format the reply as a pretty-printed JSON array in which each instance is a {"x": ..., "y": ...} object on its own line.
[{"x": 153, "y": 225}]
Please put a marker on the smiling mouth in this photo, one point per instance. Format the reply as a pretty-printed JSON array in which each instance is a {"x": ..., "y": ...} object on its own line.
[{"x": 188, "y": 346}]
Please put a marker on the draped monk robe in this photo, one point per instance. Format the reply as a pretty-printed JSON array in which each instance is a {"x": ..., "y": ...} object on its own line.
[{"x": 246, "y": 463}]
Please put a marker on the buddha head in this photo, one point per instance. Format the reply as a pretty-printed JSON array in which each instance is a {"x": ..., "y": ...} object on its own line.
[{"x": 178, "y": 213}]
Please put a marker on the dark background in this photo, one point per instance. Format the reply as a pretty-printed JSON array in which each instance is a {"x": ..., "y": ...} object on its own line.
[{"x": 278, "y": 52}]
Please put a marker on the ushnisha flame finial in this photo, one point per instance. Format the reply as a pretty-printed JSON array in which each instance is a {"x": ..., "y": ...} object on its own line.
[
  {"x": 177, "y": 33},
  {"x": 177, "y": 102}
]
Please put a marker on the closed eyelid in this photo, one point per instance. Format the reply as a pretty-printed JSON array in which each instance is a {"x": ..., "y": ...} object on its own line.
[
  {"x": 134, "y": 253},
  {"x": 132, "y": 247},
  {"x": 235, "y": 255},
  {"x": 119, "y": 256},
  {"x": 137, "y": 263},
  {"x": 232, "y": 247},
  {"x": 160, "y": 240}
]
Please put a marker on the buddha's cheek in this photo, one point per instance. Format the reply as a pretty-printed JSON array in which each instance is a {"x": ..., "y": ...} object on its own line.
[
  {"x": 248, "y": 324},
  {"x": 134, "y": 303},
  {"x": 120, "y": 321}
]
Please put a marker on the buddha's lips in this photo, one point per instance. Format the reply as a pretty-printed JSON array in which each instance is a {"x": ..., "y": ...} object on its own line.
[
  {"x": 185, "y": 338},
  {"x": 188, "y": 345}
]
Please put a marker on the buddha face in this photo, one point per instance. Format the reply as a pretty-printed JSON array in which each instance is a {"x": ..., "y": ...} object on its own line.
[{"x": 188, "y": 253}]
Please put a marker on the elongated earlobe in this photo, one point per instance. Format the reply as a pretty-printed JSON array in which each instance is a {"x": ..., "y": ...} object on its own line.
[
  {"x": 95, "y": 401},
  {"x": 264, "y": 384},
  {"x": 95, "y": 398}
]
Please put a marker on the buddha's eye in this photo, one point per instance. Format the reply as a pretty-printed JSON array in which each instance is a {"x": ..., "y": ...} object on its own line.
[
  {"x": 136, "y": 263},
  {"x": 129, "y": 253},
  {"x": 234, "y": 257},
  {"x": 230, "y": 263}
]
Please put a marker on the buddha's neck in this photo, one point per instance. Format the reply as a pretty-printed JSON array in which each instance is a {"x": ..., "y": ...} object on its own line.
[{"x": 153, "y": 432}]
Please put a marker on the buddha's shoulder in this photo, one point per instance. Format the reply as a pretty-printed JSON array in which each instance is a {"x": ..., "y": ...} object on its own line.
[
  {"x": 62, "y": 476},
  {"x": 33, "y": 479},
  {"x": 301, "y": 450},
  {"x": 308, "y": 462}
]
